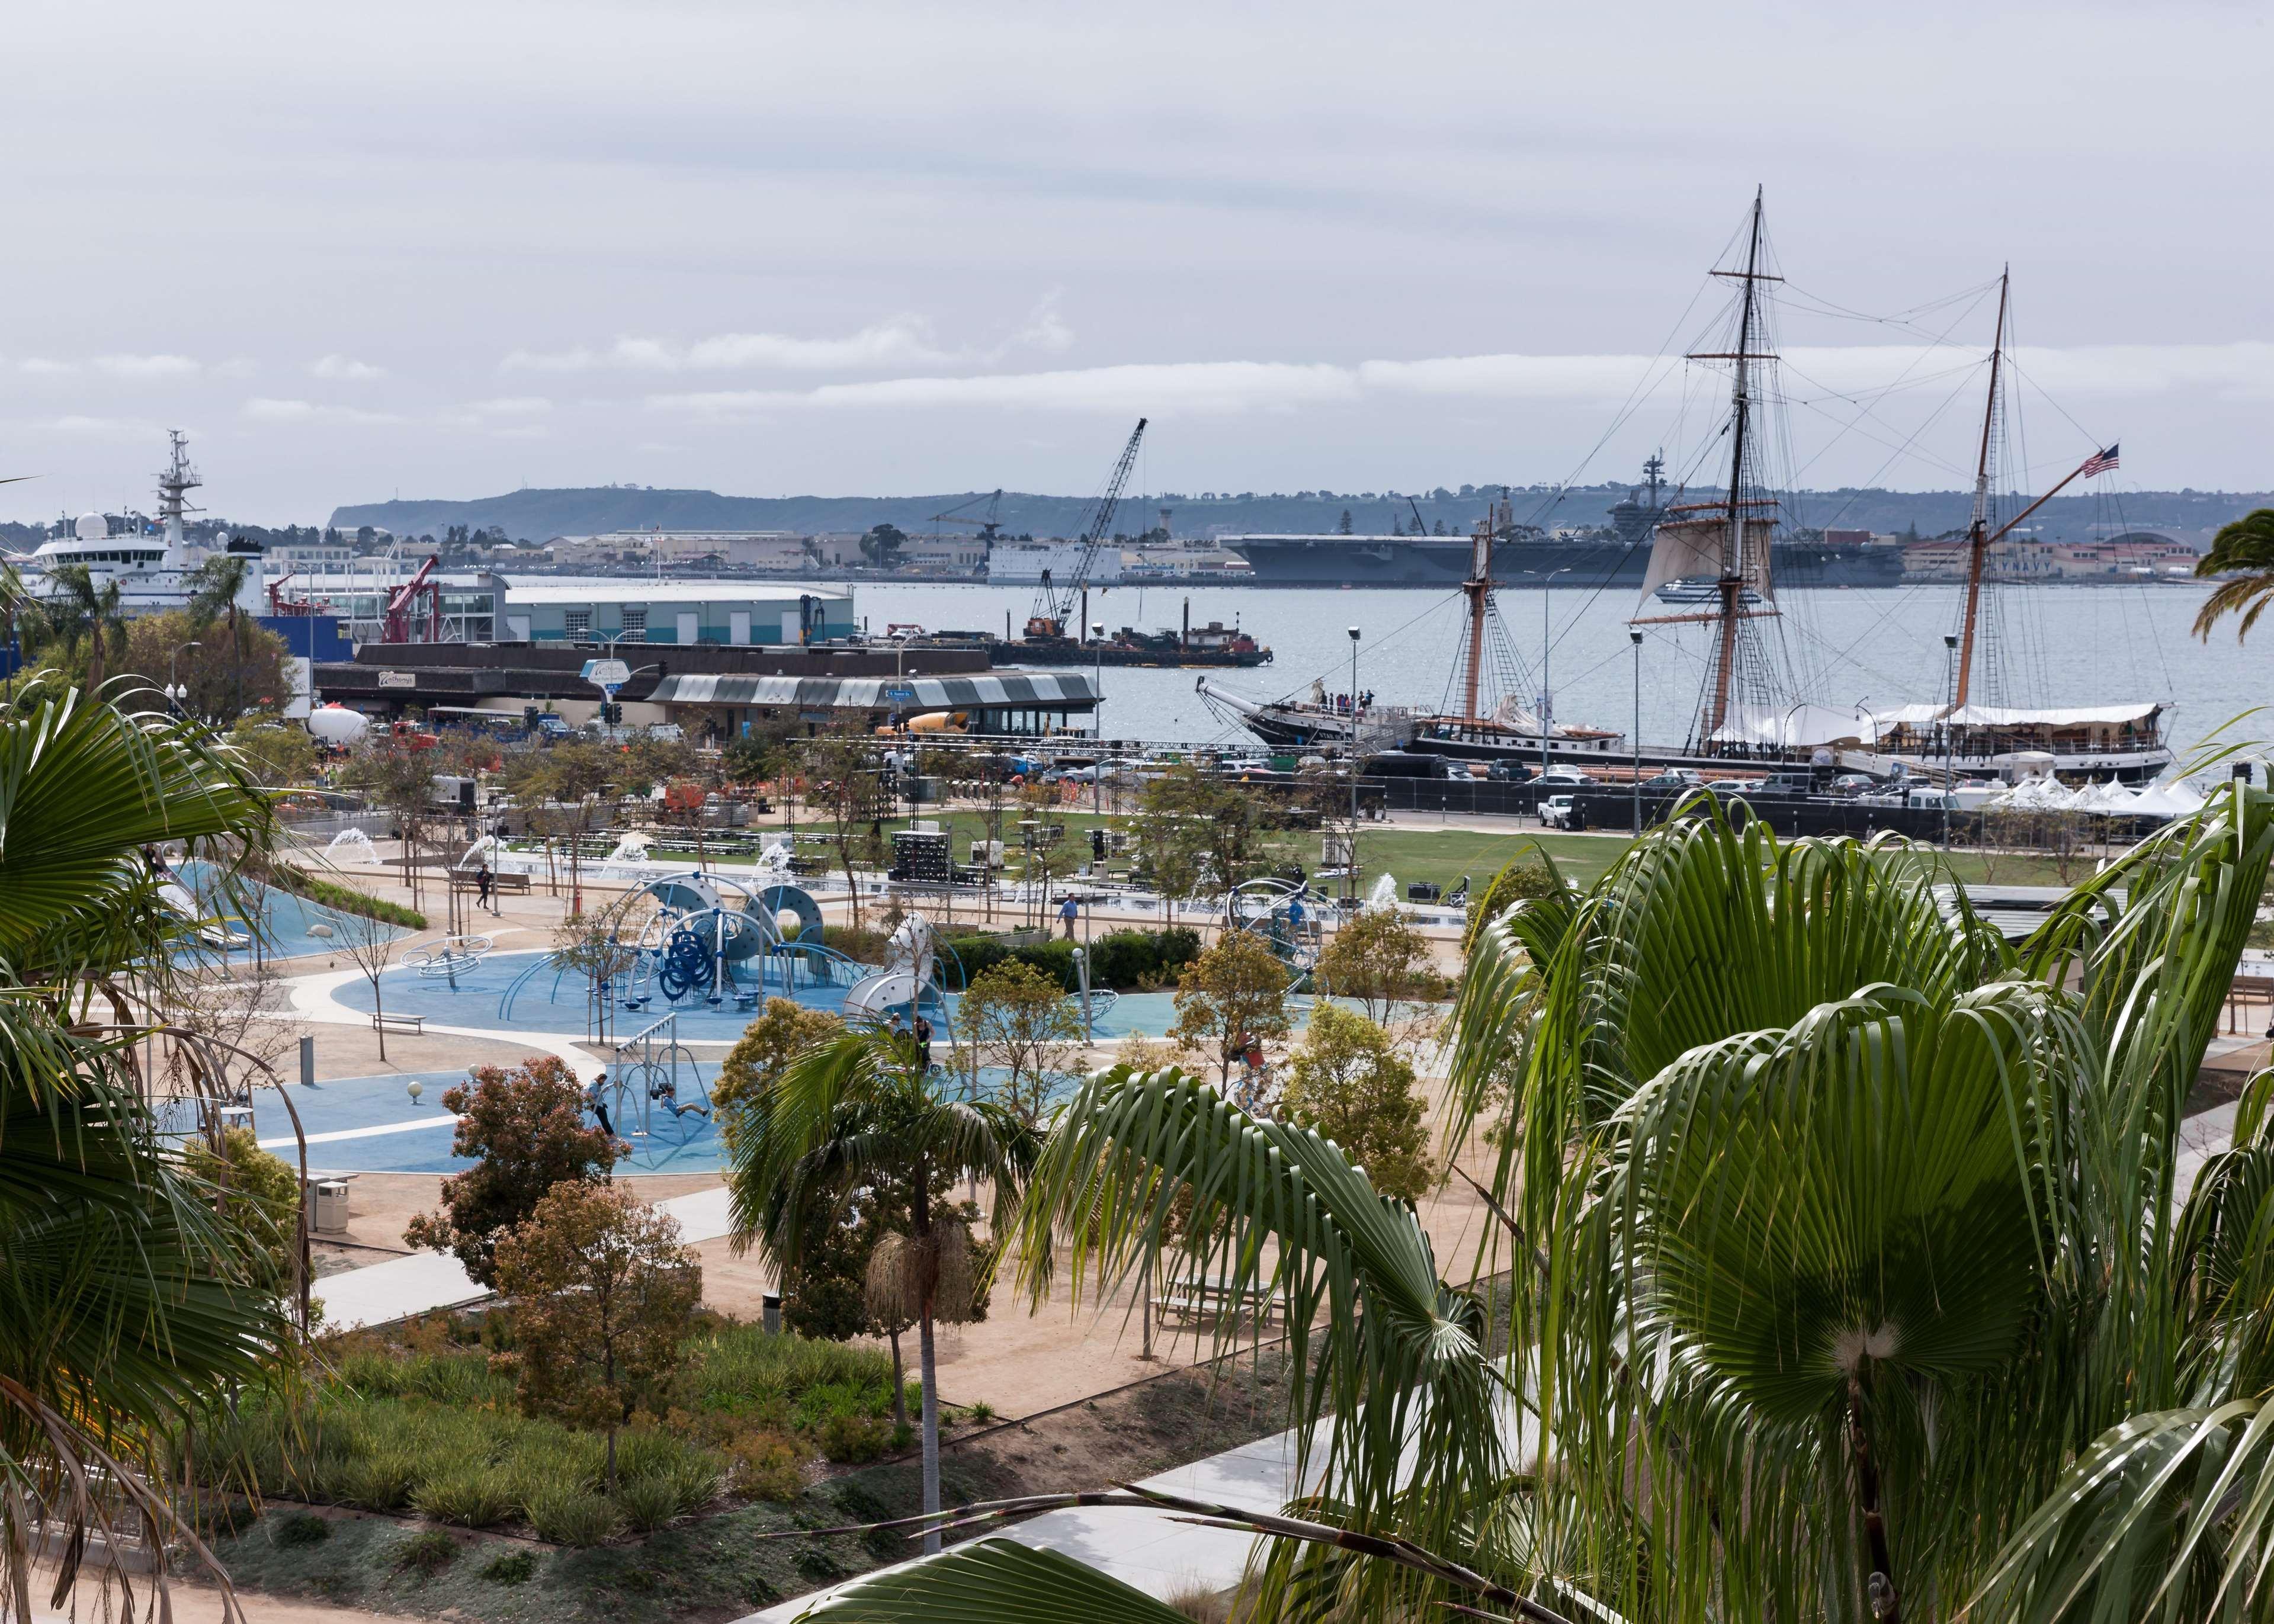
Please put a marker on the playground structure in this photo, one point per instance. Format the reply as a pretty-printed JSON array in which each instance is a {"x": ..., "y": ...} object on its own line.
[
  {"x": 1285, "y": 916},
  {"x": 696, "y": 937},
  {"x": 908, "y": 983},
  {"x": 655, "y": 1088}
]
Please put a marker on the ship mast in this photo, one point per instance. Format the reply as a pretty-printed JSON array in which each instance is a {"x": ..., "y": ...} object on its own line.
[
  {"x": 1978, "y": 532},
  {"x": 174, "y": 487},
  {"x": 1478, "y": 590},
  {"x": 1732, "y": 583}
]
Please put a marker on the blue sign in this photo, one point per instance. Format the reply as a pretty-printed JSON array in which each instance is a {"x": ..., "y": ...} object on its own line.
[{"x": 899, "y": 696}]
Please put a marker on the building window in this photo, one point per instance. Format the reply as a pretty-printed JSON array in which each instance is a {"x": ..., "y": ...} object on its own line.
[
  {"x": 636, "y": 625},
  {"x": 580, "y": 625}
]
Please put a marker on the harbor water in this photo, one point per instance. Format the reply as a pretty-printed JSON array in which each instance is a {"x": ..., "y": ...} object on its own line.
[{"x": 1876, "y": 648}]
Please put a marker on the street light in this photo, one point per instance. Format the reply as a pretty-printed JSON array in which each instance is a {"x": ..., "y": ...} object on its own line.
[
  {"x": 173, "y": 695},
  {"x": 1547, "y": 689},
  {"x": 1350, "y": 854},
  {"x": 1634, "y": 636}
]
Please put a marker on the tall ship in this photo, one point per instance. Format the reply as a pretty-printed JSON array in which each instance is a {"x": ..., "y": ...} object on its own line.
[
  {"x": 1715, "y": 560},
  {"x": 147, "y": 560}
]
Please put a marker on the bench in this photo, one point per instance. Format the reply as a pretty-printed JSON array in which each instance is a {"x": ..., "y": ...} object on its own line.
[
  {"x": 414, "y": 1026},
  {"x": 2246, "y": 991},
  {"x": 500, "y": 883},
  {"x": 1193, "y": 1296}
]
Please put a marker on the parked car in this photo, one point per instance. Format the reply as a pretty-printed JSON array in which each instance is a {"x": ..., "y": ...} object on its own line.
[
  {"x": 1560, "y": 812},
  {"x": 1509, "y": 772},
  {"x": 1564, "y": 775},
  {"x": 1670, "y": 783},
  {"x": 1786, "y": 784},
  {"x": 1853, "y": 783}
]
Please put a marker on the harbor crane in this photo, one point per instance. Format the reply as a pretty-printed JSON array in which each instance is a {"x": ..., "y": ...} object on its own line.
[
  {"x": 1054, "y": 603},
  {"x": 990, "y": 527}
]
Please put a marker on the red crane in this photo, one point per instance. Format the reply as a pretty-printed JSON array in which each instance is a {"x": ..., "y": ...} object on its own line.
[{"x": 394, "y": 627}]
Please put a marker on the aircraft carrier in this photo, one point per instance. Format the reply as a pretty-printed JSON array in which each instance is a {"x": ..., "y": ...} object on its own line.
[{"x": 1618, "y": 558}]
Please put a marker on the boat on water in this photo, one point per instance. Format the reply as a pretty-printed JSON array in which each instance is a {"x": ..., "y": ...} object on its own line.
[
  {"x": 147, "y": 560},
  {"x": 1713, "y": 562}
]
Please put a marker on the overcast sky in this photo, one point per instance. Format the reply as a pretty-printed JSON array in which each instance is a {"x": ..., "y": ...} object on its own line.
[{"x": 447, "y": 249}]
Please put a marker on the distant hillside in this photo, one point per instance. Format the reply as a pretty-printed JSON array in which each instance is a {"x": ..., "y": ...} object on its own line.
[{"x": 538, "y": 515}]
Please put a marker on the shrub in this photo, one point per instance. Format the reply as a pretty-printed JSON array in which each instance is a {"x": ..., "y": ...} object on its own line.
[
  {"x": 514, "y": 1568},
  {"x": 475, "y": 1496},
  {"x": 1523, "y": 879},
  {"x": 694, "y": 1481},
  {"x": 572, "y": 1517},
  {"x": 303, "y": 1529},
  {"x": 764, "y": 1465},
  {"x": 525, "y": 1131},
  {"x": 343, "y": 899},
  {"x": 851, "y": 1438},
  {"x": 380, "y": 1481},
  {"x": 646, "y": 1504},
  {"x": 427, "y": 1553}
]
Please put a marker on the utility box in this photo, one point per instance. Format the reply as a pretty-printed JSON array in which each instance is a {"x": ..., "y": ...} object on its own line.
[{"x": 330, "y": 1210}]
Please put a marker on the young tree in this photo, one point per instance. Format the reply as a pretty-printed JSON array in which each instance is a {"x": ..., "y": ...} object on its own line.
[
  {"x": 1377, "y": 958},
  {"x": 1234, "y": 992},
  {"x": 369, "y": 945},
  {"x": 569, "y": 785},
  {"x": 1522, "y": 879},
  {"x": 785, "y": 1030},
  {"x": 844, "y": 783},
  {"x": 401, "y": 781},
  {"x": 1012, "y": 1018},
  {"x": 1348, "y": 1081},
  {"x": 524, "y": 1129},
  {"x": 263, "y": 1197},
  {"x": 601, "y": 1292},
  {"x": 281, "y": 752},
  {"x": 1200, "y": 837}
]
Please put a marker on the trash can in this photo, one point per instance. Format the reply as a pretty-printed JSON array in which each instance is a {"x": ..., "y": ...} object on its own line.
[{"x": 331, "y": 1207}]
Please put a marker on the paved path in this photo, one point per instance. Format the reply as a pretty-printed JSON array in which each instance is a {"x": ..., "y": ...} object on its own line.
[{"x": 427, "y": 1280}]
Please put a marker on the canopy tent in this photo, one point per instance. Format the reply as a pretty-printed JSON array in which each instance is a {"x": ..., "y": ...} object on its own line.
[
  {"x": 1795, "y": 728},
  {"x": 2013, "y": 715}
]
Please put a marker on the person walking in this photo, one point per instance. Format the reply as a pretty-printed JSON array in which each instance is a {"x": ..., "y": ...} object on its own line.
[
  {"x": 1068, "y": 912},
  {"x": 482, "y": 887},
  {"x": 923, "y": 1044}
]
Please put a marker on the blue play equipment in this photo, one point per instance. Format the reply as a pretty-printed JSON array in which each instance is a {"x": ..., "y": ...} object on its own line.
[{"x": 695, "y": 947}]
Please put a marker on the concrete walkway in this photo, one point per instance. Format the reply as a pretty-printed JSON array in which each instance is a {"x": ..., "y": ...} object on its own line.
[
  {"x": 427, "y": 1280},
  {"x": 1151, "y": 1550}
]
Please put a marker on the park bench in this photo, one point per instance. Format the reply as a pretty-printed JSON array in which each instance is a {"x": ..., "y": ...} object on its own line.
[
  {"x": 415, "y": 1025},
  {"x": 1192, "y": 1296},
  {"x": 2248, "y": 989},
  {"x": 500, "y": 883}
]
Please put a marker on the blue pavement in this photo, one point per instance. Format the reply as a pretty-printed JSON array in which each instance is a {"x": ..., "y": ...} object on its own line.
[
  {"x": 370, "y": 1124},
  {"x": 284, "y": 920},
  {"x": 550, "y": 1001}
]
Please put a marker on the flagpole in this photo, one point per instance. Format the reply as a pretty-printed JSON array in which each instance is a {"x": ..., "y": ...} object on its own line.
[{"x": 2006, "y": 528}]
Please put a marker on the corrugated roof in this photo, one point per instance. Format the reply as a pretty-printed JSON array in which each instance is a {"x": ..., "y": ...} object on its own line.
[
  {"x": 637, "y": 589},
  {"x": 1046, "y": 691}
]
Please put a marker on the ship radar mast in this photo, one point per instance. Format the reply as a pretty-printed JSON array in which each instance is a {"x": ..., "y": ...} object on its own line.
[{"x": 174, "y": 487}]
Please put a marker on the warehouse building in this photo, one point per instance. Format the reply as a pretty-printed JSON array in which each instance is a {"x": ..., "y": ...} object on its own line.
[{"x": 635, "y": 609}]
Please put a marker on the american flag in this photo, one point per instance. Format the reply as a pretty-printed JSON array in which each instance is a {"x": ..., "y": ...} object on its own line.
[{"x": 2100, "y": 463}]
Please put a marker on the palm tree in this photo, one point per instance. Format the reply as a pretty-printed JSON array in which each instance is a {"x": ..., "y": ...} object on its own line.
[
  {"x": 220, "y": 580},
  {"x": 128, "y": 1303},
  {"x": 856, "y": 1111},
  {"x": 2247, "y": 545},
  {"x": 75, "y": 607},
  {"x": 1853, "y": 1270}
]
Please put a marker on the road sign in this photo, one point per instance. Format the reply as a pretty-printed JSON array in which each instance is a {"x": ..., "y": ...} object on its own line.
[
  {"x": 608, "y": 674},
  {"x": 900, "y": 696}
]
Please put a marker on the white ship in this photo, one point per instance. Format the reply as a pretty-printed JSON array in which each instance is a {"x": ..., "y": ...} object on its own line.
[{"x": 151, "y": 567}]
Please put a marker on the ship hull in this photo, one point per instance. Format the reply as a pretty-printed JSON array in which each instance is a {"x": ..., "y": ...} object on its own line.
[{"x": 1443, "y": 561}]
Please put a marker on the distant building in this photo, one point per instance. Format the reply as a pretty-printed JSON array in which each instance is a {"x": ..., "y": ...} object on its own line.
[
  {"x": 1018, "y": 564},
  {"x": 782, "y": 550},
  {"x": 1847, "y": 538},
  {"x": 606, "y": 609},
  {"x": 945, "y": 554}
]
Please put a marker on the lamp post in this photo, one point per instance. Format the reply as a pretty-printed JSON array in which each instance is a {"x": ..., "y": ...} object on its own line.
[
  {"x": 173, "y": 693},
  {"x": 1634, "y": 636},
  {"x": 1950, "y": 658},
  {"x": 1547, "y": 689},
  {"x": 1097, "y": 715},
  {"x": 1350, "y": 854}
]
